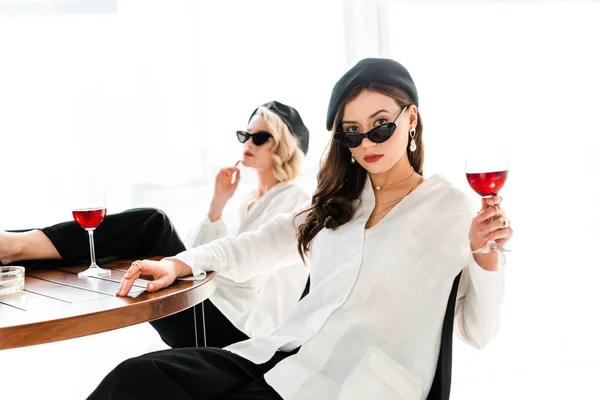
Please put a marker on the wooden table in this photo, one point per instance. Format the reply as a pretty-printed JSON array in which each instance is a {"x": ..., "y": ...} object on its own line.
[{"x": 57, "y": 305}]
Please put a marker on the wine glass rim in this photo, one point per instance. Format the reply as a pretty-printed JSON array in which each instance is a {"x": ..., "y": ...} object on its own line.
[{"x": 486, "y": 170}]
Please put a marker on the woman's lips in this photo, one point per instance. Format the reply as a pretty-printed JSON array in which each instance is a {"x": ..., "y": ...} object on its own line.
[{"x": 372, "y": 158}]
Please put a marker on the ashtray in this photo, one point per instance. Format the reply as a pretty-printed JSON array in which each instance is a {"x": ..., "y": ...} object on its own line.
[{"x": 12, "y": 279}]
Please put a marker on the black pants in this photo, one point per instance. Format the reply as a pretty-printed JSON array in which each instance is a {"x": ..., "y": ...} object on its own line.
[
  {"x": 187, "y": 374},
  {"x": 141, "y": 233}
]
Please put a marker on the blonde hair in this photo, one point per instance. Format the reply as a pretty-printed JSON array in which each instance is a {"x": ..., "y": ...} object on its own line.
[{"x": 287, "y": 157}]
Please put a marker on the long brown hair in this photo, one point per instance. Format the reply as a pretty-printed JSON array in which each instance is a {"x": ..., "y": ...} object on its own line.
[{"x": 340, "y": 182}]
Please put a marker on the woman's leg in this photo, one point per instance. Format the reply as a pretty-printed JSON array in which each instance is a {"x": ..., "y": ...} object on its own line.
[
  {"x": 142, "y": 232},
  {"x": 178, "y": 329},
  {"x": 258, "y": 389},
  {"x": 18, "y": 245},
  {"x": 183, "y": 374}
]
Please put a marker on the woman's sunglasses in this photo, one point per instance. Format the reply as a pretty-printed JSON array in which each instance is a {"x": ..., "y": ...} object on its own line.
[
  {"x": 376, "y": 135},
  {"x": 258, "y": 138}
]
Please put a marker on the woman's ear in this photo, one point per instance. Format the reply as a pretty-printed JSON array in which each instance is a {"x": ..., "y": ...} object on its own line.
[{"x": 413, "y": 116}]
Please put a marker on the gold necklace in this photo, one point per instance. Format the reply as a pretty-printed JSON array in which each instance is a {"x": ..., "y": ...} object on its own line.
[
  {"x": 395, "y": 183},
  {"x": 385, "y": 209},
  {"x": 398, "y": 200}
]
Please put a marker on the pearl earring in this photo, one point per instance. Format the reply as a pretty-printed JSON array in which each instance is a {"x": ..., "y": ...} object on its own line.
[
  {"x": 352, "y": 160},
  {"x": 413, "y": 144}
]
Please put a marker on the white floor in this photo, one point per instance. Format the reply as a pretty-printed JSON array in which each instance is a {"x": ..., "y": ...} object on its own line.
[
  {"x": 71, "y": 369},
  {"x": 532, "y": 383}
]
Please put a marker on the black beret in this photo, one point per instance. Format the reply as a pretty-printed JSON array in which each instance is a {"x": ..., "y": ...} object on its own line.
[
  {"x": 369, "y": 70},
  {"x": 292, "y": 119}
]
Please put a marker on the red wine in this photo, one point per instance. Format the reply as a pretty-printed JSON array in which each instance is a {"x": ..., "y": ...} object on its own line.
[
  {"x": 89, "y": 218},
  {"x": 487, "y": 183}
]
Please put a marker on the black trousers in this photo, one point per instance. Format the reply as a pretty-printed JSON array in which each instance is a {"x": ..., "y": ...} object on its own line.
[
  {"x": 142, "y": 233},
  {"x": 188, "y": 374}
]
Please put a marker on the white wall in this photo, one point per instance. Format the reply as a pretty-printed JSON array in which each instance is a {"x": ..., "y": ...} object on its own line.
[
  {"x": 523, "y": 75},
  {"x": 152, "y": 94}
]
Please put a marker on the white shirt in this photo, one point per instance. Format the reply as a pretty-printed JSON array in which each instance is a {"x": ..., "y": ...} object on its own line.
[
  {"x": 371, "y": 325},
  {"x": 258, "y": 305}
]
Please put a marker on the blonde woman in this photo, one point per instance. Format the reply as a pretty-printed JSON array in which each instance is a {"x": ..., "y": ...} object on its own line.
[{"x": 274, "y": 145}]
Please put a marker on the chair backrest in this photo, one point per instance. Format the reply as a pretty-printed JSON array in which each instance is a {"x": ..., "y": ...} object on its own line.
[{"x": 440, "y": 388}]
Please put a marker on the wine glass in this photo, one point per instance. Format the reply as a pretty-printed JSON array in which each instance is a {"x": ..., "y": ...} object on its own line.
[
  {"x": 89, "y": 211},
  {"x": 487, "y": 170}
]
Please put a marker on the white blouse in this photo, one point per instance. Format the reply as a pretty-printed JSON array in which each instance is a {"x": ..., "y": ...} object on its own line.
[
  {"x": 258, "y": 305},
  {"x": 371, "y": 325}
]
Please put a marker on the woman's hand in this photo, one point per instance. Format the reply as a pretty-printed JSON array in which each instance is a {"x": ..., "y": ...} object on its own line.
[
  {"x": 489, "y": 224},
  {"x": 226, "y": 183},
  {"x": 164, "y": 273}
]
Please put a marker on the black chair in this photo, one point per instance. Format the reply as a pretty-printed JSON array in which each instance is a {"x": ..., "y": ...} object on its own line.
[{"x": 440, "y": 388}]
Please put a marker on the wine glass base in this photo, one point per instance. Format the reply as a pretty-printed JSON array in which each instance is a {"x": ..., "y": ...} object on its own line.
[
  {"x": 488, "y": 250},
  {"x": 94, "y": 271}
]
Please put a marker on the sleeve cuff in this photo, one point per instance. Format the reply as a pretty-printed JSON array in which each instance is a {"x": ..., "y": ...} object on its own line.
[
  {"x": 187, "y": 258},
  {"x": 488, "y": 281},
  {"x": 218, "y": 224},
  {"x": 205, "y": 232},
  {"x": 201, "y": 276}
]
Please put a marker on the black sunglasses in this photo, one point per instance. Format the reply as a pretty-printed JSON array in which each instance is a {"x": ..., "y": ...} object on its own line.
[
  {"x": 258, "y": 138},
  {"x": 376, "y": 135}
]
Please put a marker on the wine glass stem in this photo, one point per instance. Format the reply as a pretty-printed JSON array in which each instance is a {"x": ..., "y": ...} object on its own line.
[
  {"x": 92, "y": 250},
  {"x": 491, "y": 244}
]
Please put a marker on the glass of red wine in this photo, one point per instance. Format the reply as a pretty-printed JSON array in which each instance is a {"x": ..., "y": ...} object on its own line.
[
  {"x": 89, "y": 212},
  {"x": 486, "y": 173}
]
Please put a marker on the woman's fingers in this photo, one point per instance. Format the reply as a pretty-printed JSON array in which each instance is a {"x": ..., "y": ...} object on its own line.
[
  {"x": 159, "y": 283},
  {"x": 236, "y": 180},
  {"x": 500, "y": 235},
  {"x": 228, "y": 171},
  {"x": 229, "y": 175},
  {"x": 488, "y": 213},
  {"x": 500, "y": 223},
  {"x": 490, "y": 223},
  {"x": 126, "y": 284},
  {"x": 137, "y": 269},
  {"x": 494, "y": 200}
]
